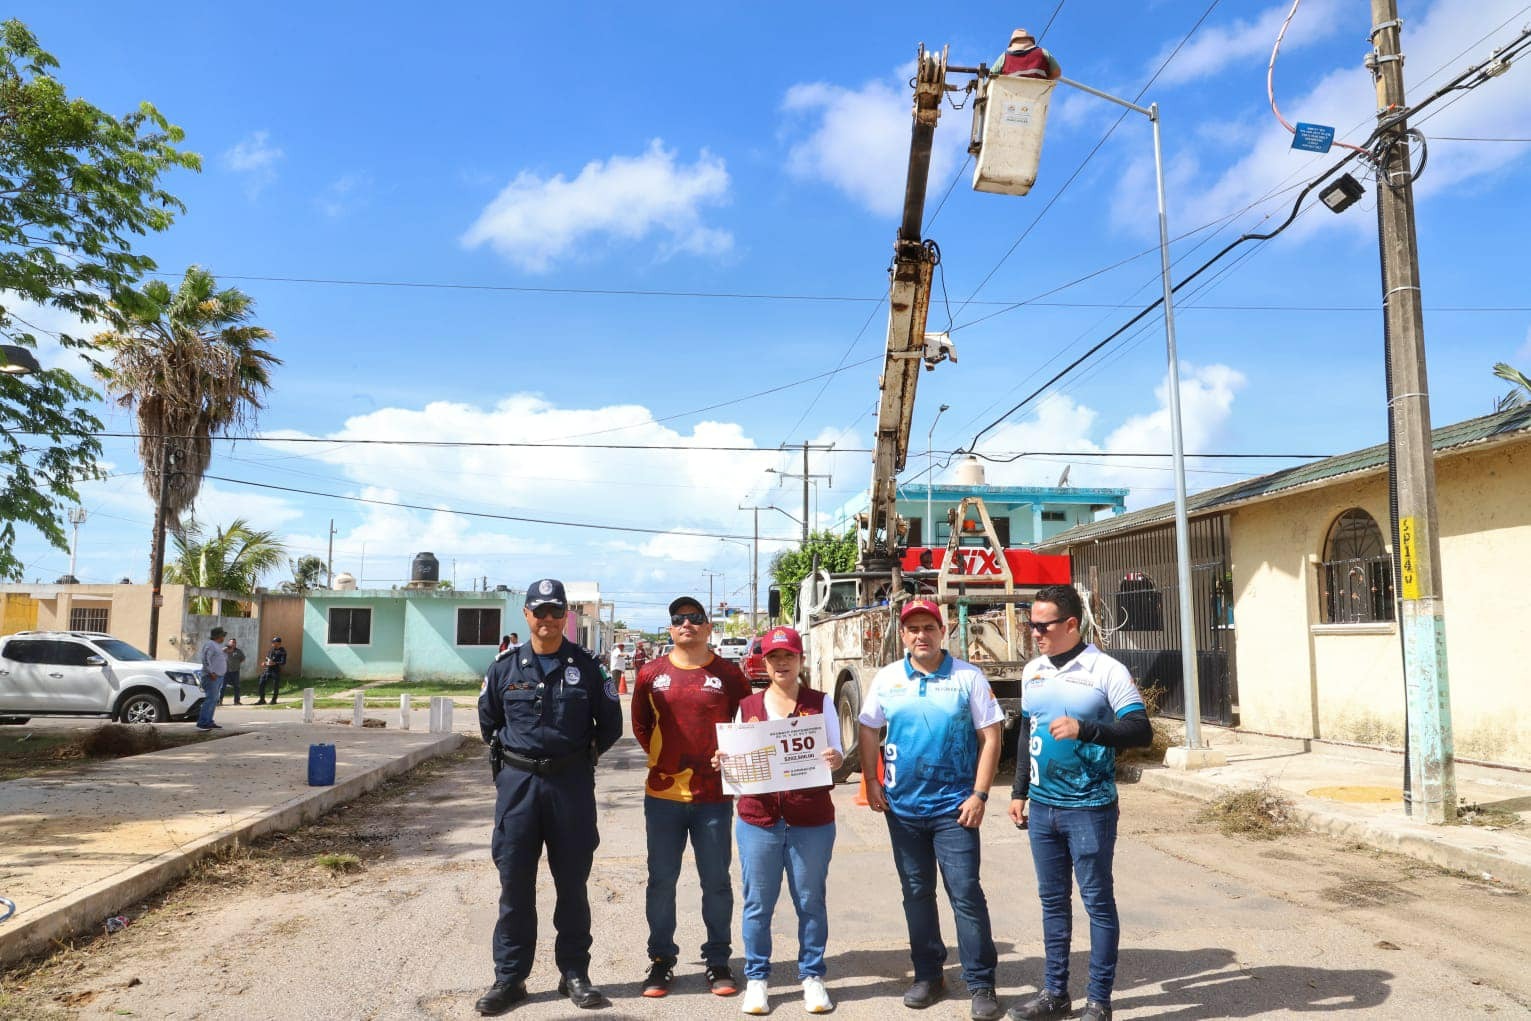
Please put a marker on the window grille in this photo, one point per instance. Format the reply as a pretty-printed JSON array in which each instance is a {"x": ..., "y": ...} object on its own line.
[
  {"x": 88, "y": 618},
  {"x": 1356, "y": 576}
]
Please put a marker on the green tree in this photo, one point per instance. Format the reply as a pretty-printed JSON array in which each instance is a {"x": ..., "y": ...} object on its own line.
[
  {"x": 1518, "y": 394},
  {"x": 189, "y": 364},
  {"x": 790, "y": 567},
  {"x": 77, "y": 186},
  {"x": 232, "y": 560},
  {"x": 306, "y": 574}
]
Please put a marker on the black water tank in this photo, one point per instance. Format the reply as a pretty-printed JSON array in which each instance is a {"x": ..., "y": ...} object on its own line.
[{"x": 425, "y": 568}]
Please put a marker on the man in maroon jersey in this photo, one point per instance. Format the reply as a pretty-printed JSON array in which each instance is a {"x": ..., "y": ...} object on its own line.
[{"x": 677, "y": 702}]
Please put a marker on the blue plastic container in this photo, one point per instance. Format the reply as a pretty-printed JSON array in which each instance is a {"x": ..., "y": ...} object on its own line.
[{"x": 321, "y": 765}]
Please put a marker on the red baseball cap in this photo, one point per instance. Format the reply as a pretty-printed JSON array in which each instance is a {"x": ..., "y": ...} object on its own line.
[
  {"x": 919, "y": 606},
  {"x": 781, "y": 638}
]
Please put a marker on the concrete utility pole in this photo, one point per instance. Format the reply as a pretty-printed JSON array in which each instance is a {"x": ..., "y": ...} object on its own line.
[
  {"x": 806, "y": 476},
  {"x": 1422, "y": 618},
  {"x": 329, "y": 563},
  {"x": 77, "y": 516},
  {"x": 157, "y": 561}
]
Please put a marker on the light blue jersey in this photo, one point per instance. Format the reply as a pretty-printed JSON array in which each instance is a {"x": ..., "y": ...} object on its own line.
[
  {"x": 930, "y": 756},
  {"x": 1091, "y": 686}
]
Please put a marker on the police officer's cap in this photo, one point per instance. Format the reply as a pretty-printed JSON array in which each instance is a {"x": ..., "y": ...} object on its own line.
[{"x": 546, "y": 592}]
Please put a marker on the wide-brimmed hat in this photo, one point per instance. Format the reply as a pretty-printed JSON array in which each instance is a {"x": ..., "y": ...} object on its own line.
[{"x": 1022, "y": 33}]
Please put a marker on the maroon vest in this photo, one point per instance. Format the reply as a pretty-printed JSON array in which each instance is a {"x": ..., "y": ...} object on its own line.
[
  {"x": 810, "y": 807},
  {"x": 1030, "y": 63}
]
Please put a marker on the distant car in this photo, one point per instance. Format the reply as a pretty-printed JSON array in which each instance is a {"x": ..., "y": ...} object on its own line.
[
  {"x": 753, "y": 665},
  {"x": 733, "y": 648},
  {"x": 88, "y": 673}
]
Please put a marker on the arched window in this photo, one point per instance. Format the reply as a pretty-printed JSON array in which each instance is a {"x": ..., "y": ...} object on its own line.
[{"x": 1356, "y": 577}]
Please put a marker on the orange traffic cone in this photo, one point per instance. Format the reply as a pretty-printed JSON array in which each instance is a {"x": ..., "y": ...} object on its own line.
[
  {"x": 622, "y": 683},
  {"x": 861, "y": 795}
]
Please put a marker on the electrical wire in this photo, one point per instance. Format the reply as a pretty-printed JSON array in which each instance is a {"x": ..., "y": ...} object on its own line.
[{"x": 1270, "y": 78}]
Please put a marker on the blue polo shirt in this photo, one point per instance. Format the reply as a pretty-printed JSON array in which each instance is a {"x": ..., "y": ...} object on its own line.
[
  {"x": 930, "y": 756},
  {"x": 1091, "y": 686}
]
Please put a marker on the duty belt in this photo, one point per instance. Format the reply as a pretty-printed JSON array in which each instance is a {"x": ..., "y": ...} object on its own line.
[{"x": 545, "y": 767}]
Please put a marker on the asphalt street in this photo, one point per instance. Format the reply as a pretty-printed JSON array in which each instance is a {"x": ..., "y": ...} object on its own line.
[{"x": 1213, "y": 926}]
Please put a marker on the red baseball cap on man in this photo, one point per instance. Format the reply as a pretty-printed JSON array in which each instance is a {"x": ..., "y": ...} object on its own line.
[
  {"x": 919, "y": 606},
  {"x": 781, "y": 638}
]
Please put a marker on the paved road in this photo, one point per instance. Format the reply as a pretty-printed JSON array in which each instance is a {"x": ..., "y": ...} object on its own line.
[{"x": 1214, "y": 926}]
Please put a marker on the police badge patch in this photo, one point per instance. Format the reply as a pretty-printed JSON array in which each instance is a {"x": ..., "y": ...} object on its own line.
[
  {"x": 611, "y": 689},
  {"x": 571, "y": 674},
  {"x": 546, "y": 588}
]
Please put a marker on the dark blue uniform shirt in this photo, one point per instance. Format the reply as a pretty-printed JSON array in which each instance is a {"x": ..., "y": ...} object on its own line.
[{"x": 549, "y": 715}]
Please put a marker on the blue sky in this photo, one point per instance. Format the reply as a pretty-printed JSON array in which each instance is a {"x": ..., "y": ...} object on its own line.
[{"x": 729, "y": 149}]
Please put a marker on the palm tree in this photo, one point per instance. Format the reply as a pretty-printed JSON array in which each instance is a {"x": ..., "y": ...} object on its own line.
[
  {"x": 189, "y": 364},
  {"x": 306, "y": 572},
  {"x": 1517, "y": 395},
  {"x": 232, "y": 560}
]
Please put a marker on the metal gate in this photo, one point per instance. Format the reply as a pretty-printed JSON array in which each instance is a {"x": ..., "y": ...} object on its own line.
[{"x": 1132, "y": 579}]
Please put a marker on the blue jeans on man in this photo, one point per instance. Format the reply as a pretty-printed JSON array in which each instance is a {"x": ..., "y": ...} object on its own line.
[
  {"x": 1081, "y": 840},
  {"x": 803, "y": 853},
  {"x": 669, "y": 824},
  {"x": 919, "y": 846},
  {"x": 212, "y": 689},
  {"x": 230, "y": 684}
]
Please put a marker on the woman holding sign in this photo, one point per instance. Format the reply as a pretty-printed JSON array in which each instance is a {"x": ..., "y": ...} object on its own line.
[{"x": 791, "y": 832}]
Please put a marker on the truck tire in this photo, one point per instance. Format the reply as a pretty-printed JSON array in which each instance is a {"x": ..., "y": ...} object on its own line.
[
  {"x": 143, "y": 707},
  {"x": 14, "y": 721},
  {"x": 847, "y": 709}
]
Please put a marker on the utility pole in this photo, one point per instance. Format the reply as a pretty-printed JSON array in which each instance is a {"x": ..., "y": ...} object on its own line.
[
  {"x": 157, "y": 559},
  {"x": 806, "y": 476},
  {"x": 805, "y": 492},
  {"x": 77, "y": 517},
  {"x": 755, "y": 576},
  {"x": 1422, "y": 618},
  {"x": 329, "y": 563},
  {"x": 711, "y": 575}
]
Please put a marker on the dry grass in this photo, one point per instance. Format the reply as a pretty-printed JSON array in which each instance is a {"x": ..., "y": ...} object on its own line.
[
  {"x": 1474, "y": 814},
  {"x": 1260, "y": 813}
]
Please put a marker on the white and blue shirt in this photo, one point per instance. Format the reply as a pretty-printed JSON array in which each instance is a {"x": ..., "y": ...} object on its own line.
[
  {"x": 1091, "y": 686},
  {"x": 930, "y": 756}
]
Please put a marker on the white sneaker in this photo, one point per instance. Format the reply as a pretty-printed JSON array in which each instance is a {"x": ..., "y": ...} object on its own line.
[
  {"x": 755, "y": 1000},
  {"x": 815, "y": 997}
]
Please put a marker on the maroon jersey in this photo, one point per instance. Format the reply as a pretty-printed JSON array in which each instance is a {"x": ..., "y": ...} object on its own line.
[{"x": 675, "y": 717}]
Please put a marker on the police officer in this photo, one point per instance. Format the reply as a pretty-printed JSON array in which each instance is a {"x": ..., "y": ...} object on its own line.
[{"x": 548, "y": 711}]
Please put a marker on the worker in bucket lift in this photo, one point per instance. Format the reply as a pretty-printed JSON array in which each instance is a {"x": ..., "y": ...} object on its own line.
[{"x": 1025, "y": 59}]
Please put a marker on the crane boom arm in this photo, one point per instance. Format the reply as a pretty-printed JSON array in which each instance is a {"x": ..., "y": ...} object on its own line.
[{"x": 914, "y": 262}]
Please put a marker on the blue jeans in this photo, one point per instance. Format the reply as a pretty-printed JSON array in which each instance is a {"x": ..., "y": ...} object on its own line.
[
  {"x": 802, "y": 852},
  {"x": 669, "y": 824},
  {"x": 1083, "y": 839},
  {"x": 230, "y": 683},
  {"x": 919, "y": 845},
  {"x": 212, "y": 690}
]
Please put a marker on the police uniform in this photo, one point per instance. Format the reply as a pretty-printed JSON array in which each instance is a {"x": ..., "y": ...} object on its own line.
[{"x": 551, "y": 727}]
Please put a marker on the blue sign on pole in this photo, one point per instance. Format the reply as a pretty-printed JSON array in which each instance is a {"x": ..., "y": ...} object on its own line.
[{"x": 1313, "y": 137}]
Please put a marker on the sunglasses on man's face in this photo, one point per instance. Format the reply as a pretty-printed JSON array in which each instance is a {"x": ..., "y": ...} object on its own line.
[
  {"x": 548, "y": 612},
  {"x": 677, "y": 619},
  {"x": 1041, "y": 626}
]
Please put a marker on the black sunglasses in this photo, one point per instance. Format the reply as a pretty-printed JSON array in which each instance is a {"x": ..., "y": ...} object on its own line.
[
  {"x": 548, "y": 611},
  {"x": 698, "y": 618},
  {"x": 1041, "y": 626}
]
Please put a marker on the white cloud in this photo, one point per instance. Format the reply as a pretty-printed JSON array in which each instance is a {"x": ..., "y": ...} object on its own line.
[
  {"x": 344, "y": 194},
  {"x": 46, "y": 323},
  {"x": 1216, "y": 47},
  {"x": 1207, "y": 189},
  {"x": 256, "y": 158},
  {"x": 1061, "y": 423},
  {"x": 536, "y": 221},
  {"x": 858, "y": 142}
]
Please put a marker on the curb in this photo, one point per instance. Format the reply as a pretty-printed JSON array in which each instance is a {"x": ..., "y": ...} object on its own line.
[
  {"x": 83, "y": 910},
  {"x": 1486, "y": 860}
]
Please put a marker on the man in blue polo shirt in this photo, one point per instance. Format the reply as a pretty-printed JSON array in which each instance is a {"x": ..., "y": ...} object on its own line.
[
  {"x": 939, "y": 758},
  {"x": 1078, "y": 707}
]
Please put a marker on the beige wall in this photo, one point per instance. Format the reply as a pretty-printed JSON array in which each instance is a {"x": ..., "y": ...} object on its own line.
[{"x": 1298, "y": 677}]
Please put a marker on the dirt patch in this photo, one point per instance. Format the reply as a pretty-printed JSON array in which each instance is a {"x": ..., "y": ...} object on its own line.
[
  {"x": 1366, "y": 894},
  {"x": 1260, "y": 813},
  {"x": 1474, "y": 814},
  {"x": 39, "y": 751}
]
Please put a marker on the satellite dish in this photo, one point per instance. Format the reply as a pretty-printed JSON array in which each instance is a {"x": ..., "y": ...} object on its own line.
[{"x": 1063, "y": 480}]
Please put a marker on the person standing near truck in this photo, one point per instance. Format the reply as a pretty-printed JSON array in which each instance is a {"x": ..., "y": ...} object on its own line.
[{"x": 939, "y": 758}]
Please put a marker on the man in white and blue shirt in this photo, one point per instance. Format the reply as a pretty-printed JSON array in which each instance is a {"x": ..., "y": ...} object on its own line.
[
  {"x": 1078, "y": 707},
  {"x": 939, "y": 759}
]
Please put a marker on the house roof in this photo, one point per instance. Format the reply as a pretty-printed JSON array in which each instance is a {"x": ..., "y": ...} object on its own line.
[{"x": 1496, "y": 428}]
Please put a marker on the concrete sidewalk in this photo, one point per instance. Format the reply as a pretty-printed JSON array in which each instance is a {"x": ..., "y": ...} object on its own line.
[
  {"x": 77, "y": 847},
  {"x": 1357, "y": 793}
]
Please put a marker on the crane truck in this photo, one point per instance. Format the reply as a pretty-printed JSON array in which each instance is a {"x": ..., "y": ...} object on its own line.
[{"x": 850, "y": 619}]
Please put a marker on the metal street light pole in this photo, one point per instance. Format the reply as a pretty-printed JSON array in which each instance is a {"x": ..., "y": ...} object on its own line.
[
  {"x": 1195, "y": 752},
  {"x": 930, "y": 473},
  {"x": 740, "y": 542}
]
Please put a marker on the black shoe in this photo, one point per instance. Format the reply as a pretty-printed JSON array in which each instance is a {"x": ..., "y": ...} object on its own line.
[
  {"x": 261, "y": 702},
  {"x": 721, "y": 981},
  {"x": 985, "y": 1006},
  {"x": 924, "y": 992},
  {"x": 1045, "y": 1004},
  {"x": 579, "y": 990},
  {"x": 1094, "y": 1010},
  {"x": 237, "y": 702},
  {"x": 501, "y": 997},
  {"x": 661, "y": 974}
]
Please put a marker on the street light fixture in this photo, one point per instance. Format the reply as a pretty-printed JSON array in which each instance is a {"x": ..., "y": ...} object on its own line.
[
  {"x": 16, "y": 360},
  {"x": 930, "y": 473},
  {"x": 1342, "y": 194}
]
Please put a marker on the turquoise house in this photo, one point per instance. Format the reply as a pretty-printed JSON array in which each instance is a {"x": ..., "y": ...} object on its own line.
[{"x": 410, "y": 634}]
